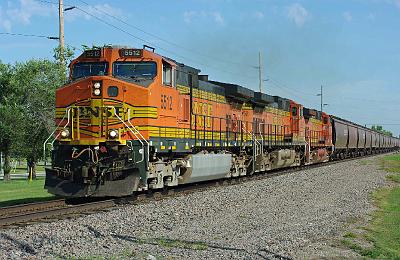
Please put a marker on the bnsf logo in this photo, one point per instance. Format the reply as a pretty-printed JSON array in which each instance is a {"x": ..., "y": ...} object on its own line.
[{"x": 88, "y": 112}]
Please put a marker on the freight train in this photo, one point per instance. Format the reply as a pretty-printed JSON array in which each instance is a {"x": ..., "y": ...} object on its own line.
[{"x": 132, "y": 120}]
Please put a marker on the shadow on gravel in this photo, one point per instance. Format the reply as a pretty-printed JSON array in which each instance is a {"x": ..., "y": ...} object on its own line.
[
  {"x": 191, "y": 245},
  {"x": 20, "y": 244},
  {"x": 197, "y": 245},
  {"x": 95, "y": 232}
]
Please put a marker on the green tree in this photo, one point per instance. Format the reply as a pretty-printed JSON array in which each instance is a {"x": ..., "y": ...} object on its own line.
[
  {"x": 64, "y": 57},
  {"x": 38, "y": 80},
  {"x": 10, "y": 113},
  {"x": 380, "y": 129}
]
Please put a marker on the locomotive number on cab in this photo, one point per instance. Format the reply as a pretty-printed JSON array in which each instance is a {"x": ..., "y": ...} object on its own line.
[{"x": 166, "y": 102}]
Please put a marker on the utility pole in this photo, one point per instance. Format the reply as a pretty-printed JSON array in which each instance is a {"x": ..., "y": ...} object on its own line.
[
  {"x": 260, "y": 71},
  {"x": 321, "y": 94},
  {"x": 61, "y": 28},
  {"x": 322, "y": 102}
]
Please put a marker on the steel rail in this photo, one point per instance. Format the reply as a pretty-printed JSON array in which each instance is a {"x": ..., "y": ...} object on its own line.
[
  {"x": 55, "y": 213},
  {"x": 16, "y": 209}
]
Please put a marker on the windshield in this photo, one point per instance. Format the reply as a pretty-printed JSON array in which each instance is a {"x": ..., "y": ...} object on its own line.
[
  {"x": 86, "y": 69},
  {"x": 140, "y": 73},
  {"x": 135, "y": 70}
]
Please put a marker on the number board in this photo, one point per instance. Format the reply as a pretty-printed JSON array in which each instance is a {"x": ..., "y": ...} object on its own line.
[
  {"x": 92, "y": 53},
  {"x": 134, "y": 53}
]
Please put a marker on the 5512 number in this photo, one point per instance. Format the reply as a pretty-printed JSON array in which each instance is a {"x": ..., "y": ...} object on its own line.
[{"x": 166, "y": 102}]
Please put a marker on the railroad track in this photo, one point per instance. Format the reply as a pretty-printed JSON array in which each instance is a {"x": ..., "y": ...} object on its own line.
[
  {"x": 58, "y": 209},
  {"x": 29, "y": 207}
]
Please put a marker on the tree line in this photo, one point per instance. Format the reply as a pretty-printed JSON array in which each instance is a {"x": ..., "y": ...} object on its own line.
[
  {"x": 380, "y": 129},
  {"x": 27, "y": 108}
]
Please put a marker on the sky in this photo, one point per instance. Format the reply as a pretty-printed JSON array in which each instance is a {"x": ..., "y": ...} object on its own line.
[{"x": 350, "y": 47}]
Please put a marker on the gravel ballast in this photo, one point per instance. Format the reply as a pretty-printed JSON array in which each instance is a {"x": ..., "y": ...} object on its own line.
[{"x": 297, "y": 215}]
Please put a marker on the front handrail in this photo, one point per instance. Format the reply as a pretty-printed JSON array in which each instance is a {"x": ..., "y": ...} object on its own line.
[
  {"x": 140, "y": 134},
  {"x": 136, "y": 132},
  {"x": 67, "y": 110}
]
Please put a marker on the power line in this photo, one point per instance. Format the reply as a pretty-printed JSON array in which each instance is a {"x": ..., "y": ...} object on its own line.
[
  {"x": 162, "y": 39},
  {"x": 290, "y": 91},
  {"x": 30, "y": 35},
  {"x": 39, "y": 36},
  {"x": 148, "y": 42},
  {"x": 47, "y": 2},
  {"x": 126, "y": 32},
  {"x": 157, "y": 46},
  {"x": 242, "y": 75},
  {"x": 383, "y": 124}
]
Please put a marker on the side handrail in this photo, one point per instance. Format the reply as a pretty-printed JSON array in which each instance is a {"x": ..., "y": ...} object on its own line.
[{"x": 258, "y": 144}]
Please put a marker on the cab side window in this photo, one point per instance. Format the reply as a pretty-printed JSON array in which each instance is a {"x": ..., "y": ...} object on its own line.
[
  {"x": 294, "y": 111},
  {"x": 168, "y": 75}
]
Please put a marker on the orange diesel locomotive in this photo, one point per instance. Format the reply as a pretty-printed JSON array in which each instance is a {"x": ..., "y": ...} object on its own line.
[{"x": 132, "y": 120}]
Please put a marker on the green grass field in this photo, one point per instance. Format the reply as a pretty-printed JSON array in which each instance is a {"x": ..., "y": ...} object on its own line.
[
  {"x": 384, "y": 230},
  {"x": 22, "y": 168},
  {"x": 22, "y": 191}
]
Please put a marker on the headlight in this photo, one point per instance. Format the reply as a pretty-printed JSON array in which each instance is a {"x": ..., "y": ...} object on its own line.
[
  {"x": 64, "y": 133},
  {"x": 97, "y": 91},
  {"x": 97, "y": 88},
  {"x": 97, "y": 85},
  {"x": 113, "y": 133}
]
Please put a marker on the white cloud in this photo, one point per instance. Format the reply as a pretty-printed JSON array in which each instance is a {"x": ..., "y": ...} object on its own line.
[
  {"x": 396, "y": 3},
  {"x": 259, "y": 15},
  {"x": 347, "y": 16},
  {"x": 190, "y": 16},
  {"x": 27, "y": 9},
  {"x": 218, "y": 18},
  {"x": 5, "y": 23},
  {"x": 298, "y": 14},
  {"x": 95, "y": 10},
  {"x": 22, "y": 11},
  {"x": 371, "y": 16}
]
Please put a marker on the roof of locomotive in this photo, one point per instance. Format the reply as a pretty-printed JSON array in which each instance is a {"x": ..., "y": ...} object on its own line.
[
  {"x": 210, "y": 87},
  {"x": 235, "y": 91}
]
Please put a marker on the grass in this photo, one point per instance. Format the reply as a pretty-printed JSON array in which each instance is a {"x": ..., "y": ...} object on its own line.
[
  {"x": 394, "y": 177},
  {"x": 383, "y": 232},
  {"x": 391, "y": 163},
  {"x": 21, "y": 169},
  {"x": 165, "y": 242},
  {"x": 365, "y": 162},
  {"x": 350, "y": 235},
  {"x": 21, "y": 191}
]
